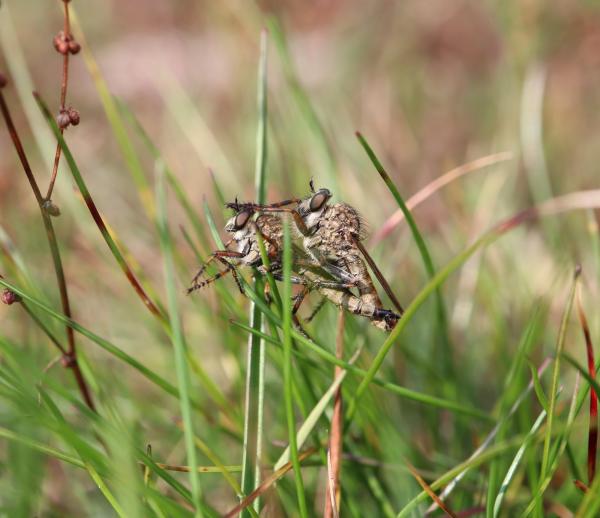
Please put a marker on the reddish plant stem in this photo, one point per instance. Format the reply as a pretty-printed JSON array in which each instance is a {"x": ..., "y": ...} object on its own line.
[
  {"x": 43, "y": 327},
  {"x": 70, "y": 359},
  {"x": 63, "y": 96},
  {"x": 154, "y": 309},
  {"x": 337, "y": 431},
  {"x": 593, "y": 425}
]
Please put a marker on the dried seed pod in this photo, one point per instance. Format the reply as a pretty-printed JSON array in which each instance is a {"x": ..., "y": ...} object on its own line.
[
  {"x": 73, "y": 116},
  {"x": 74, "y": 47},
  {"x": 50, "y": 208},
  {"x": 61, "y": 43},
  {"x": 63, "y": 119},
  {"x": 9, "y": 297}
]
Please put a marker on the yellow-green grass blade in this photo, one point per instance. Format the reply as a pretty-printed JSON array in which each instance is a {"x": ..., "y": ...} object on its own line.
[
  {"x": 569, "y": 202},
  {"x": 560, "y": 343},
  {"x": 132, "y": 160},
  {"x": 255, "y": 369},
  {"x": 442, "y": 322},
  {"x": 287, "y": 368},
  {"x": 181, "y": 366}
]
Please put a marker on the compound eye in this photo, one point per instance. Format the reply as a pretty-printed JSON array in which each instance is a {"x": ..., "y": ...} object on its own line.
[
  {"x": 319, "y": 199},
  {"x": 242, "y": 218}
]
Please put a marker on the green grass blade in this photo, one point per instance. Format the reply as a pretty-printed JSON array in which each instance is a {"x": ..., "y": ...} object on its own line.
[
  {"x": 560, "y": 343},
  {"x": 515, "y": 464},
  {"x": 311, "y": 420},
  {"x": 319, "y": 136},
  {"x": 254, "y": 408},
  {"x": 181, "y": 366},
  {"x": 396, "y": 389},
  {"x": 47, "y": 450},
  {"x": 173, "y": 181},
  {"x": 287, "y": 368},
  {"x": 583, "y": 371},
  {"x": 425, "y": 256},
  {"x": 105, "y": 491},
  {"x": 151, "y": 305},
  {"x": 574, "y": 201},
  {"x": 561, "y": 446},
  {"x": 105, "y": 344},
  {"x": 539, "y": 390}
]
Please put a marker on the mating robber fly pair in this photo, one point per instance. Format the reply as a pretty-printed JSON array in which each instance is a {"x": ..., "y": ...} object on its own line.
[{"x": 330, "y": 261}]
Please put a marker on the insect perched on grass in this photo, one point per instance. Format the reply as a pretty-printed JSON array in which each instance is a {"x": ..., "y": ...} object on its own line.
[
  {"x": 307, "y": 271},
  {"x": 247, "y": 253},
  {"x": 331, "y": 237}
]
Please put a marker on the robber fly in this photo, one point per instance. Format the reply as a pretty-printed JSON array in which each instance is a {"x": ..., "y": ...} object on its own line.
[
  {"x": 331, "y": 235},
  {"x": 245, "y": 230},
  {"x": 308, "y": 274}
]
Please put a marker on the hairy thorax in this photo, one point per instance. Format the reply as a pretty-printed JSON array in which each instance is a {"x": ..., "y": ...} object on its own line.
[{"x": 333, "y": 232}]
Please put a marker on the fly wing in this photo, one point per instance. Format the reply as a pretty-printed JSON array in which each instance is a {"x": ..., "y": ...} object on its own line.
[{"x": 378, "y": 274}]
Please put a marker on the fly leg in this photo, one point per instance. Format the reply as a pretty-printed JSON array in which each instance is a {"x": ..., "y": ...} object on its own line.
[
  {"x": 345, "y": 279},
  {"x": 317, "y": 308},
  {"x": 298, "y": 299},
  {"x": 219, "y": 255}
]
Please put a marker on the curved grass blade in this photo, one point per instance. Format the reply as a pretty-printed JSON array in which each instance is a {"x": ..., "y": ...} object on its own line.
[
  {"x": 573, "y": 201},
  {"x": 149, "y": 303},
  {"x": 105, "y": 344},
  {"x": 412, "y": 395},
  {"x": 493, "y": 452},
  {"x": 560, "y": 344},
  {"x": 494, "y": 433},
  {"x": 42, "y": 448},
  {"x": 434, "y": 186},
  {"x": 442, "y": 321}
]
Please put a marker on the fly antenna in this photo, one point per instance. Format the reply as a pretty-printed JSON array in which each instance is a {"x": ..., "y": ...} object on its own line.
[{"x": 312, "y": 185}]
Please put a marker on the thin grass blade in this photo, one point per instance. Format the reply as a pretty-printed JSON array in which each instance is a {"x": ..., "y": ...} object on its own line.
[{"x": 181, "y": 366}]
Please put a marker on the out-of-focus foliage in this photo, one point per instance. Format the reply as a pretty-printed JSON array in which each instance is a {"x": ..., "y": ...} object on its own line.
[{"x": 432, "y": 85}]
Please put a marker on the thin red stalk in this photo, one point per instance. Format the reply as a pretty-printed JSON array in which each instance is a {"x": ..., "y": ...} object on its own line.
[
  {"x": 593, "y": 425},
  {"x": 106, "y": 234},
  {"x": 63, "y": 96},
  {"x": 337, "y": 431},
  {"x": 427, "y": 488},
  {"x": 434, "y": 186},
  {"x": 71, "y": 357},
  {"x": 267, "y": 483},
  {"x": 43, "y": 327},
  {"x": 581, "y": 486}
]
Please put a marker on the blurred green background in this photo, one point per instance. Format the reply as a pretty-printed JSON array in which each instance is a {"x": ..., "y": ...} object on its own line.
[{"x": 432, "y": 85}]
